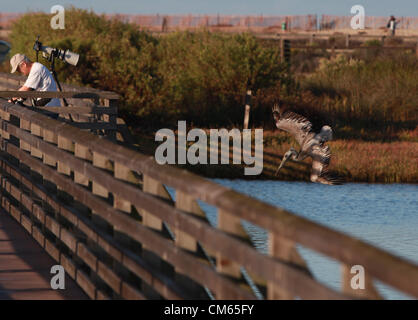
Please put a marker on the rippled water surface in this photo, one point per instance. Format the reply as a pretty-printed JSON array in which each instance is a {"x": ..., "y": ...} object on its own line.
[{"x": 383, "y": 215}]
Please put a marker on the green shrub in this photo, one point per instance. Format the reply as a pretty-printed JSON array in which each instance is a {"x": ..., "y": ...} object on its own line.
[{"x": 205, "y": 76}]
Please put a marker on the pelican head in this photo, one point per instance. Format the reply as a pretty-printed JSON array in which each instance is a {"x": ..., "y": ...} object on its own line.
[{"x": 291, "y": 153}]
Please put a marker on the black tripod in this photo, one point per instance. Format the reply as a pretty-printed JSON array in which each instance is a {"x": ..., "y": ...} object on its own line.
[
  {"x": 37, "y": 47},
  {"x": 51, "y": 59}
]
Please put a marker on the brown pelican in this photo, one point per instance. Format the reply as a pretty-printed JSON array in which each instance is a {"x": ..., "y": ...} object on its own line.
[{"x": 311, "y": 145}]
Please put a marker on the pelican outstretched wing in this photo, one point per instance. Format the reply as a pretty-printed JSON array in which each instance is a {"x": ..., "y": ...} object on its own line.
[
  {"x": 321, "y": 156},
  {"x": 298, "y": 126}
]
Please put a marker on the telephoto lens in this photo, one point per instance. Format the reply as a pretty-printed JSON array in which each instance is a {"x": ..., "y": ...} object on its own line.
[{"x": 64, "y": 55}]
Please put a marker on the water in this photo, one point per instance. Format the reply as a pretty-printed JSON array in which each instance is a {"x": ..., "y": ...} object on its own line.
[{"x": 383, "y": 215}]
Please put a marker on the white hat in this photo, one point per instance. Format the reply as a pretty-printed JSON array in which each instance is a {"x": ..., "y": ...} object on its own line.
[{"x": 16, "y": 60}]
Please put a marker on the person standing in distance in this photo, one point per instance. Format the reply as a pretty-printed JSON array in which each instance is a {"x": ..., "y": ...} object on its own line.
[
  {"x": 392, "y": 24},
  {"x": 39, "y": 78}
]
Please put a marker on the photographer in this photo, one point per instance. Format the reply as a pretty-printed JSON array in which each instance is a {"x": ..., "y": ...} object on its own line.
[{"x": 39, "y": 78}]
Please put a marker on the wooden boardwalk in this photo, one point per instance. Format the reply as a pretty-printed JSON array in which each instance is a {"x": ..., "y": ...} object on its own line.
[{"x": 25, "y": 267}]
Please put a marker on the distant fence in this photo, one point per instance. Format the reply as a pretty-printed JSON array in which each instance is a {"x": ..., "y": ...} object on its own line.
[
  {"x": 329, "y": 22},
  {"x": 7, "y": 18},
  {"x": 297, "y": 22},
  {"x": 310, "y": 22}
]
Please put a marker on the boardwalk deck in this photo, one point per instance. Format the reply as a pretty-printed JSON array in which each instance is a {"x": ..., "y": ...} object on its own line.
[{"x": 25, "y": 267}]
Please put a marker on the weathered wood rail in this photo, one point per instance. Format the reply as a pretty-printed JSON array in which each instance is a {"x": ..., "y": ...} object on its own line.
[{"x": 103, "y": 212}]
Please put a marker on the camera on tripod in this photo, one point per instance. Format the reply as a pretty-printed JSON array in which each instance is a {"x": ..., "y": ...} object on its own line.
[{"x": 53, "y": 53}]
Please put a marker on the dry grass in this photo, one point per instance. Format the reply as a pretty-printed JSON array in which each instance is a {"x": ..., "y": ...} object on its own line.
[
  {"x": 353, "y": 160},
  {"x": 358, "y": 161}
]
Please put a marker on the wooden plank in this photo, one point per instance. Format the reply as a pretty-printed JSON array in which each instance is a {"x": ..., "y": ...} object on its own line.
[
  {"x": 81, "y": 110},
  {"x": 130, "y": 293},
  {"x": 57, "y": 94},
  {"x": 92, "y": 126}
]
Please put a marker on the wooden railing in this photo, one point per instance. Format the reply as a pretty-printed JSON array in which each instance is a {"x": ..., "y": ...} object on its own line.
[
  {"x": 89, "y": 108},
  {"x": 103, "y": 212}
]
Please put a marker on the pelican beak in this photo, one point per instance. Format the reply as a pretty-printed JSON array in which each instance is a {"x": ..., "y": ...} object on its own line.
[{"x": 284, "y": 160}]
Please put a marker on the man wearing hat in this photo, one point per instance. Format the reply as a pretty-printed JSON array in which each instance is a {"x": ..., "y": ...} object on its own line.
[{"x": 39, "y": 78}]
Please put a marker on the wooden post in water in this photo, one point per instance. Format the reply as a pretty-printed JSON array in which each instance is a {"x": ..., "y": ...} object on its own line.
[
  {"x": 416, "y": 49},
  {"x": 247, "y": 108}
]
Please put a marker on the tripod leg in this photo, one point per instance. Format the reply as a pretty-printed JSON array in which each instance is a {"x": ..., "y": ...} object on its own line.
[{"x": 54, "y": 74}]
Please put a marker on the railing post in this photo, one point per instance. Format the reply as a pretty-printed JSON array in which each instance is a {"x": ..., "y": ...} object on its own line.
[
  {"x": 103, "y": 163},
  {"x": 247, "y": 108},
  {"x": 82, "y": 152},
  {"x": 50, "y": 137},
  {"x": 186, "y": 203},
  {"x": 36, "y": 130},
  {"x": 64, "y": 143},
  {"x": 283, "y": 249},
  {"x": 112, "y": 118},
  {"x": 5, "y": 117},
  {"x": 156, "y": 188},
  {"x": 232, "y": 225},
  {"x": 25, "y": 125}
]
